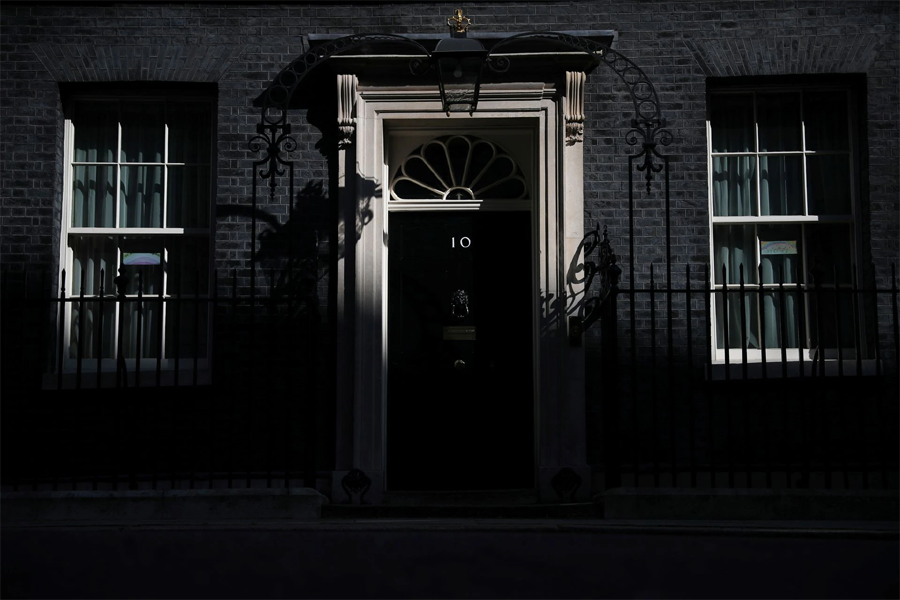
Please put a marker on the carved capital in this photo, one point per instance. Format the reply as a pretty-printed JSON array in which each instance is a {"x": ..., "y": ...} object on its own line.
[
  {"x": 574, "y": 107},
  {"x": 346, "y": 109}
]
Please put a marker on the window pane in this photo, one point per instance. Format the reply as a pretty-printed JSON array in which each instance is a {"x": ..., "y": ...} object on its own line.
[
  {"x": 143, "y": 317},
  {"x": 96, "y": 131},
  {"x": 143, "y": 132},
  {"x": 780, "y": 328},
  {"x": 188, "y": 197},
  {"x": 90, "y": 255},
  {"x": 825, "y": 116},
  {"x": 830, "y": 249},
  {"x": 731, "y": 121},
  {"x": 88, "y": 325},
  {"x": 142, "y": 258},
  {"x": 736, "y": 339},
  {"x": 780, "y": 252},
  {"x": 734, "y": 247},
  {"x": 94, "y": 258},
  {"x": 140, "y": 200},
  {"x": 734, "y": 186},
  {"x": 93, "y": 196},
  {"x": 85, "y": 324},
  {"x": 781, "y": 190},
  {"x": 189, "y": 132},
  {"x": 423, "y": 182},
  {"x": 779, "y": 122},
  {"x": 828, "y": 184},
  {"x": 459, "y": 150}
]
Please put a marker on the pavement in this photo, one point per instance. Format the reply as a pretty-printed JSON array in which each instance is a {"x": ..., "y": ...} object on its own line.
[
  {"x": 452, "y": 558},
  {"x": 884, "y": 530}
]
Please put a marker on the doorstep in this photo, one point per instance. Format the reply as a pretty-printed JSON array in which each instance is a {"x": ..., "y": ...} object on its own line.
[
  {"x": 582, "y": 510},
  {"x": 750, "y": 505},
  {"x": 161, "y": 505},
  {"x": 468, "y": 504}
]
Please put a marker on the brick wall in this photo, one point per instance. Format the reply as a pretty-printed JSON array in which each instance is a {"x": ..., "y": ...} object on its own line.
[{"x": 241, "y": 47}]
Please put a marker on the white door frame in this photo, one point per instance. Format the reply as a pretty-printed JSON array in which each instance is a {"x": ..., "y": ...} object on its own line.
[{"x": 558, "y": 230}]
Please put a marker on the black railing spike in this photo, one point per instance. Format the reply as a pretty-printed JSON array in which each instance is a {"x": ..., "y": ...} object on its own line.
[
  {"x": 80, "y": 356},
  {"x": 761, "y": 302},
  {"x": 877, "y": 341},
  {"x": 159, "y": 329},
  {"x": 100, "y": 302},
  {"x": 894, "y": 292},
  {"x": 802, "y": 334},
  {"x": 742, "y": 304},
  {"x": 690, "y": 370},
  {"x": 784, "y": 340},
  {"x": 726, "y": 341},
  {"x": 62, "y": 331},
  {"x": 140, "y": 327}
]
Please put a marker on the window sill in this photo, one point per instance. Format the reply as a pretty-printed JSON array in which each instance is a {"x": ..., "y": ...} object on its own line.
[
  {"x": 69, "y": 380},
  {"x": 775, "y": 369}
]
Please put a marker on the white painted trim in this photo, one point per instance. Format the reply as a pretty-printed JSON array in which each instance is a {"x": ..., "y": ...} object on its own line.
[
  {"x": 769, "y": 220},
  {"x": 66, "y": 229},
  {"x": 851, "y": 219},
  {"x": 445, "y": 205},
  {"x": 557, "y": 228}
]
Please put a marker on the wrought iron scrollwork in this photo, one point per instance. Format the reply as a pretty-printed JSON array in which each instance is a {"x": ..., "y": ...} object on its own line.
[
  {"x": 648, "y": 135},
  {"x": 356, "y": 482},
  {"x": 648, "y": 127},
  {"x": 273, "y": 140},
  {"x": 278, "y": 95},
  {"x": 566, "y": 482},
  {"x": 497, "y": 64},
  {"x": 605, "y": 267},
  {"x": 273, "y": 136}
]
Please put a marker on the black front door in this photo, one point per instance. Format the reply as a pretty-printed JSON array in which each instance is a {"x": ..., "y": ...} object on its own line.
[{"x": 460, "y": 379}]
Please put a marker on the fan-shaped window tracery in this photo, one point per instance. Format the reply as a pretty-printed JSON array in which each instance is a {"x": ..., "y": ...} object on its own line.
[{"x": 458, "y": 168}]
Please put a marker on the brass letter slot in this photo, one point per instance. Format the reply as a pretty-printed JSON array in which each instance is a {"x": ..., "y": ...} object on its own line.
[{"x": 459, "y": 332}]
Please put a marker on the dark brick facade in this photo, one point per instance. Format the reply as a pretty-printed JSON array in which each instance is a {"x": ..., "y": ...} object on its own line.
[{"x": 241, "y": 47}]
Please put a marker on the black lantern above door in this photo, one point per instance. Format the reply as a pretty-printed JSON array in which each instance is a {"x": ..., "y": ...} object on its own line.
[{"x": 459, "y": 61}]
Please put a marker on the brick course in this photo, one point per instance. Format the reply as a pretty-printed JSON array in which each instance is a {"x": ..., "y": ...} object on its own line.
[{"x": 242, "y": 47}]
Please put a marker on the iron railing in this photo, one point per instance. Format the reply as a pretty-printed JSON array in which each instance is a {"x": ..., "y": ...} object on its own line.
[
  {"x": 672, "y": 406},
  {"x": 678, "y": 407},
  {"x": 240, "y": 409}
]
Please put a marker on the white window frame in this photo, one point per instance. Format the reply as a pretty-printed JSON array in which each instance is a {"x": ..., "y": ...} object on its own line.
[
  {"x": 792, "y": 354},
  {"x": 70, "y": 232}
]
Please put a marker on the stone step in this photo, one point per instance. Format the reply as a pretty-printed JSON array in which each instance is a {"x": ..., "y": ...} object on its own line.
[{"x": 584, "y": 510}]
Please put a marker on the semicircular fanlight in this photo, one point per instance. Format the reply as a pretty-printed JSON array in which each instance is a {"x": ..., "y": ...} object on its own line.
[{"x": 458, "y": 167}]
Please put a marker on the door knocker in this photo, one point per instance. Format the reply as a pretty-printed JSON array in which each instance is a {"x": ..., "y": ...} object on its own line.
[{"x": 459, "y": 304}]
